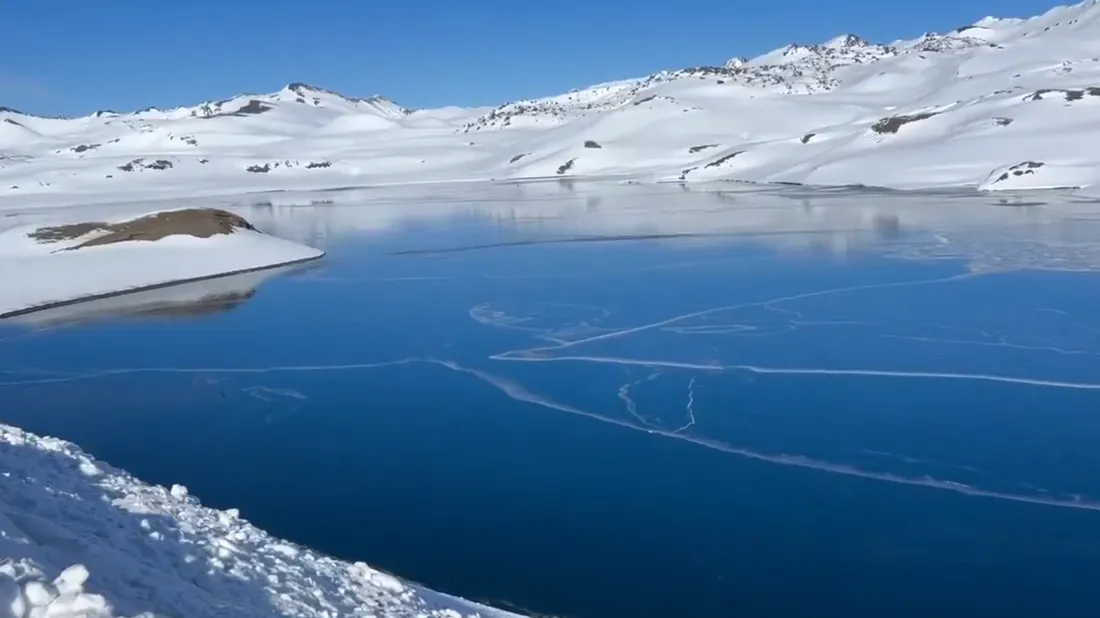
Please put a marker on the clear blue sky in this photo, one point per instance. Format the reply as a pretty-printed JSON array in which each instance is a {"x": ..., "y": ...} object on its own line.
[{"x": 77, "y": 56}]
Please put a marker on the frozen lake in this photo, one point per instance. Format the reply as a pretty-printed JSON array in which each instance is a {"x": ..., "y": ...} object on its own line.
[{"x": 597, "y": 400}]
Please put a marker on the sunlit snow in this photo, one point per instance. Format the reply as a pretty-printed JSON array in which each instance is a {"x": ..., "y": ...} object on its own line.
[{"x": 1001, "y": 105}]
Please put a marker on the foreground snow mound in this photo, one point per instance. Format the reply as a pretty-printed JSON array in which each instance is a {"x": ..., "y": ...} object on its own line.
[
  {"x": 945, "y": 109},
  {"x": 25, "y": 593},
  {"x": 80, "y": 539},
  {"x": 71, "y": 262}
]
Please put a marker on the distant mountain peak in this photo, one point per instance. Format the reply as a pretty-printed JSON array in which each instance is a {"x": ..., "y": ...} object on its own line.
[
  {"x": 846, "y": 41},
  {"x": 303, "y": 89}
]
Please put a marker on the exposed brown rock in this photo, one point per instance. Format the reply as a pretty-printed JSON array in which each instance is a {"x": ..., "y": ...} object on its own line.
[{"x": 197, "y": 222}]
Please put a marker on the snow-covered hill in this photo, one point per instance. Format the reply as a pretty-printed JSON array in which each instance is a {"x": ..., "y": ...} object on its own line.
[{"x": 1001, "y": 104}]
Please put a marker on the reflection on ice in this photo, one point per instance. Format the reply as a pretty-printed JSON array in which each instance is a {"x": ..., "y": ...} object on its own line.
[
  {"x": 994, "y": 232},
  {"x": 907, "y": 329},
  {"x": 192, "y": 299}
]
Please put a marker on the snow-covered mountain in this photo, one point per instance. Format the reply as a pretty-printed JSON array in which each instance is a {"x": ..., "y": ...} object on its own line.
[{"x": 1000, "y": 104}]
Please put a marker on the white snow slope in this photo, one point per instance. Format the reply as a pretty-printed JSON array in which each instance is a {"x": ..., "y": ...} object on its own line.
[
  {"x": 80, "y": 539},
  {"x": 1002, "y": 104},
  {"x": 37, "y": 273}
]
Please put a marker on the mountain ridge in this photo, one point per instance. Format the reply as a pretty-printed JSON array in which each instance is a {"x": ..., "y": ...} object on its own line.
[
  {"x": 846, "y": 40},
  {"x": 1001, "y": 104},
  {"x": 300, "y": 89}
]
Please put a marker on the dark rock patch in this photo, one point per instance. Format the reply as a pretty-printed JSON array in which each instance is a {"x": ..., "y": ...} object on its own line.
[
  {"x": 1020, "y": 169},
  {"x": 517, "y": 157},
  {"x": 1067, "y": 94},
  {"x": 700, "y": 148},
  {"x": 645, "y": 99},
  {"x": 263, "y": 168},
  {"x": 891, "y": 124},
  {"x": 591, "y": 144},
  {"x": 84, "y": 147},
  {"x": 807, "y": 137},
  {"x": 565, "y": 167},
  {"x": 721, "y": 160},
  {"x": 252, "y": 108},
  {"x": 138, "y": 165},
  {"x": 1002, "y": 121},
  {"x": 197, "y": 222}
]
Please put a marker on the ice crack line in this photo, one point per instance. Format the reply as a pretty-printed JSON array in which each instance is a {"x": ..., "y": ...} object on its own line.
[
  {"x": 690, "y": 407},
  {"x": 770, "y": 304},
  {"x": 520, "y": 393},
  {"x": 631, "y": 405}
]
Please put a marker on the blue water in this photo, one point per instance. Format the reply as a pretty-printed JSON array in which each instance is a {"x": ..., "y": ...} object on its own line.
[{"x": 630, "y": 427}]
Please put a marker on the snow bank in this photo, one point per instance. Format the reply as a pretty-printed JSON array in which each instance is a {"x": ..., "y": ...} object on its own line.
[
  {"x": 43, "y": 272},
  {"x": 80, "y": 539}
]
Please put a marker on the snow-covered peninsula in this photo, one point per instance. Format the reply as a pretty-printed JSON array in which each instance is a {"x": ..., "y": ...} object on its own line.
[{"x": 56, "y": 265}]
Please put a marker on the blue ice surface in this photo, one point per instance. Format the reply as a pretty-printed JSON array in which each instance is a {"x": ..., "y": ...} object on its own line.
[{"x": 643, "y": 427}]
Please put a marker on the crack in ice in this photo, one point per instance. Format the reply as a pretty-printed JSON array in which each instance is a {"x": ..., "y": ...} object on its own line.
[
  {"x": 636, "y": 421},
  {"x": 518, "y": 392},
  {"x": 690, "y": 407}
]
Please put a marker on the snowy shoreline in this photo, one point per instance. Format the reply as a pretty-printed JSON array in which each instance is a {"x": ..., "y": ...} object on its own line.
[
  {"x": 82, "y": 539},
  {"x": 51, "y": 266},
  {"x": 147, "y": 288}
]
